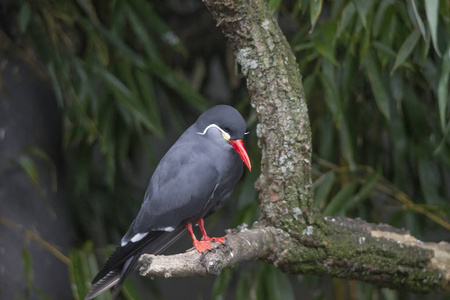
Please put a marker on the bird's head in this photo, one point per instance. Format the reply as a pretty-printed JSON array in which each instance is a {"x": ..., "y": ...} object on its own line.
[{"x": 229, "y": 122}]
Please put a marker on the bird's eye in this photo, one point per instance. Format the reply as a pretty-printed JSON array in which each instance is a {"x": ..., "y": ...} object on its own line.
[{"x": 227, "y": 129}]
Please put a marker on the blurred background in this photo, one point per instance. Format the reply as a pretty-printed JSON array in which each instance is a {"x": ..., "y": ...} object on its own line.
[{"x": 93, "y": 93}]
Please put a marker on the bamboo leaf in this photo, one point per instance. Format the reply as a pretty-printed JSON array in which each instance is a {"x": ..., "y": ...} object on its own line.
[
  {"x": 342, "y": 197},
  {"x": 280, "y": 287},
  {"x": 406, "y": 48},
  {"x": 332, "y": 98},
  {"x": 149, "y": 98},
  {"x": 363, "y": 7},
  {"x": 323, "y": 41},
  {"x": 157, "y": 24},
  {"x": 384, "y": 49},
  {"x": 418, "y": 19},
  {"x": 82, "y": 269},
  {"x": 127, "y": 98},
  {"x": 315, "y": 8},
  {"x": 364, "y": 192},
  {"x": 322, "y": 189},
  {"x": 30, "y": 168},
  {"x": 443, "y": 88},
  {"x": 55, "y": 83},
  {"x": 24, "y": 16},
  {"x": 347, "y": 17},
  {"x": 130, "y": 290},
  {"x": 28, "y": 267},
  {"x": 142, "y": 34},
  {"x": 378, "y": 89},
  {"x": 432, "y": 10},
  {"x": 221, "y": 285},
  {"x": 346, "y": 144},
  {"x": 381, "y": 15}
]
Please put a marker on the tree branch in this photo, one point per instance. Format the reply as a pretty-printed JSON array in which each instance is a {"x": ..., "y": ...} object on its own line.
[
  {"x": 243, "y": 245},
  {"x": 351, "y": 249}
]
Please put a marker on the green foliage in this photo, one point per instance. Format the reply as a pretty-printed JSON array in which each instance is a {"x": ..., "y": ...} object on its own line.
[
  {"x": 106, "y": 71},
  {"x": 385, "y": 98},
  {"x": 377, "y": 84},
  {"x": 263, "y": 282}
]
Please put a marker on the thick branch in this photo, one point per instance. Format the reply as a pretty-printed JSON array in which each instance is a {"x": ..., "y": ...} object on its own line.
[
  {"x": 242, "y": 246},
  {"x": 345, "y": 248}
]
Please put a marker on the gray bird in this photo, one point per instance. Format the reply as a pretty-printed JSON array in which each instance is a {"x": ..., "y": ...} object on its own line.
[{"x": 193, "y": 180}]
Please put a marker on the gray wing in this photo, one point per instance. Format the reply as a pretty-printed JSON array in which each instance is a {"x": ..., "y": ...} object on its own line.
[{"x": 181, "y": 188}]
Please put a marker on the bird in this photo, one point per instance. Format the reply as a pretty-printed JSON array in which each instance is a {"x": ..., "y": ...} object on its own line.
[{"x": 193, "y": 180}]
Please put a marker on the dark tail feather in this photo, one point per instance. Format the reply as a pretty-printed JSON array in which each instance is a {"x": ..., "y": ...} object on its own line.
[
  {"x": 103, "y": 284},
  {"x": 125, "y": 259},
  {"x": 129, "y": 266}
]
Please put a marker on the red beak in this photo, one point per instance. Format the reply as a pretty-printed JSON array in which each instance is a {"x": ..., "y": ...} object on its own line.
[{"x": 238, "y": 145}]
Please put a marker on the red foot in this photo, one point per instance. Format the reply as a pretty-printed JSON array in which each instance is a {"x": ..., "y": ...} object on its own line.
[
  {"x": 221, "y": 240},
  {"x": 205, "y": 243},
  {"x": 202, "y": 245}
]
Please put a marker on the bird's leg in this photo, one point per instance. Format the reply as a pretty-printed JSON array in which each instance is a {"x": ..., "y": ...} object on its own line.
[
  {"x": 205, "y": 236},
  {"x": 201, "y": 245}
]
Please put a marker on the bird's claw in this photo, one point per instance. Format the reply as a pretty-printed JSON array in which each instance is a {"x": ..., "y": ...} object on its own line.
[{"x": 202, "y": 246}]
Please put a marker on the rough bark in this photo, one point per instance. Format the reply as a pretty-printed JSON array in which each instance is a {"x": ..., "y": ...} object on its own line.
[
  {"x": 346, "y": 248},
  {"x": 276, "y": 91},
  {"x": 290, "y": 234},
  {"x": 242, "y": 244}
]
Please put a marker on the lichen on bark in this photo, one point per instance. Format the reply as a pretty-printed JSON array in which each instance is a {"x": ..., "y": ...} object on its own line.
[{"x": 275, "y": 86}]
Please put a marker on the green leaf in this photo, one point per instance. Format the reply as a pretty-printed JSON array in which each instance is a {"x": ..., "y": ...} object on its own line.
[
  {"x": 55, "y": 83},
  {"x": 326, "y": 138},
  {"x": 177, "y": 83},
  {"x": 378, "y": 88},
  {"x": 344, "y": 196},
  {"x": 323, "y": 187},
  {"x": 432, "y": 10},
  {"x": 332, "y": 98},
  {"x": 379, "y": 21},
  {"x": 44, "y": 156},
  {"x": 244, "y": 286},
  {"x": 221, "y": 284},
  {"x": 115, "y": 40},
  {"x": 83, "y": 268},
  {"x": 30, "y": 169},
  {"x": 130, "y": 290},
  {"x": 364, "y": 192},
  {"x": 127, "y": 98},
  {"x": 363, "y": 7},
  {"x": 406, "y": 49},
  {"x": 429, "y": 179},
  {"x": 346, "y": 144},
  {"x": 315, "y": 8},
  {"x": 389, "y": 294},
  {"x": 274, "y": 4},
  {"x": 418, "y": 19},
  {"x": 149, "y": 98},
  {"x": 24, "y": 16},
  {"x": 278, "y": 285},
  {"x": 28, "y": 267},
  {"x": 347, "y": 18},
  {"x": 323, "y": 41},
  {"x": 142, "y": 34},
  {"x": 384, "y": 49},
  {"x": 443, "y": 88},
  {"x": 157, "y": 25}
]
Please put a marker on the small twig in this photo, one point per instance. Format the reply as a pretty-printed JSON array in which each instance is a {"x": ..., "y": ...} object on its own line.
[{"x": 31, "y": 235}]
